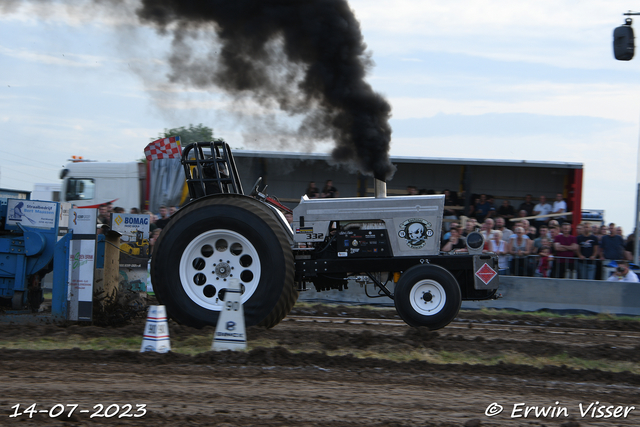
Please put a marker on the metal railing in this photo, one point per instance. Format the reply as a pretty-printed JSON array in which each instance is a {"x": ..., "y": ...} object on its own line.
[{"x": 557, "y": 267}]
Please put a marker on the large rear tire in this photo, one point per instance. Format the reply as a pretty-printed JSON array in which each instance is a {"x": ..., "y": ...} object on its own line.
[
  {"x": 427, "y": 295},
  {"x": 213, "y": 240}
]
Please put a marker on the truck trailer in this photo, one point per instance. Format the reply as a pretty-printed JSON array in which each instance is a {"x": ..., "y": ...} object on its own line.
[{"x": 127, "y": 185}]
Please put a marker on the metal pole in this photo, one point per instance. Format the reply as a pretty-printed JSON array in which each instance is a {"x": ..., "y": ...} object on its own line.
[
  {"x": 636, "y": 243},
  {"x": 637, "y": 230}
]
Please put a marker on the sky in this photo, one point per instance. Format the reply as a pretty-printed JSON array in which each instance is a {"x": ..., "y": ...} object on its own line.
[{"x": 527, "y": 80}]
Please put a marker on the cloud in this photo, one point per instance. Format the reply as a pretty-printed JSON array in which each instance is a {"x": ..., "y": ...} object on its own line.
[
  {"x": 66, "y": 60},
  {"x": 514, "y": 125},
  {"x": 74, "y": 13},
  {"x": 467, "y": 16},
  {"x": 604, "y": 100},
  {"x": 563, "y": 33}
]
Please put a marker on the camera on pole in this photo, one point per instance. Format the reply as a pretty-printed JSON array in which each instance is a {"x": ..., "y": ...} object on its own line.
[{"x": 623, "y": 41}]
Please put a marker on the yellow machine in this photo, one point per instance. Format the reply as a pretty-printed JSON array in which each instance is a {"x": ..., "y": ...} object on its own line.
[{"x": 138, "y": 248}]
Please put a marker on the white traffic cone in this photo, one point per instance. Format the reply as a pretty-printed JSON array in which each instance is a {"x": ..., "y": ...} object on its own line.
[
  {"x": 230, "y": 331},
  {"x": 156, "y": 331}
]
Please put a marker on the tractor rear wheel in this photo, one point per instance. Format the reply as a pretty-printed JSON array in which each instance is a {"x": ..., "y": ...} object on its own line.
[{"x": 219, "y": 238}]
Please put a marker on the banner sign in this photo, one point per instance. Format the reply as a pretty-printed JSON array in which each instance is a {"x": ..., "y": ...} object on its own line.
[
  {"x": 31, "y": 213},
  {"x": 82, "y": 256},
  {"x": 134, "y": 248}
]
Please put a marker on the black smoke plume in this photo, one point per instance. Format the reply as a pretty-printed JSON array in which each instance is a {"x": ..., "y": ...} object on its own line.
[{"x": 306, "y": 56}]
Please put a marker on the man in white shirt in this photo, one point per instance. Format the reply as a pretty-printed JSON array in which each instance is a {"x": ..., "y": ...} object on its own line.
[
  {"x": 542, "y": 208},
  {"x": 623, "y": 274},
  {"x": 559, "y": 206}
]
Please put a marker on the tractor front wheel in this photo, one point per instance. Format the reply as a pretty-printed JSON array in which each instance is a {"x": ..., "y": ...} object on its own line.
[{"x": 427, "y": 295}]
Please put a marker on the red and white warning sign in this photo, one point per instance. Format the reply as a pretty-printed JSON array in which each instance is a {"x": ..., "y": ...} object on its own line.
[{"x": 486, "y": 273}]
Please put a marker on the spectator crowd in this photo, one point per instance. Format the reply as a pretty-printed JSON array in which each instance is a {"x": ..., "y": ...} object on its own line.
[
  {"x": 328, "y": 190},
  {"x": 543, "y": 246}
]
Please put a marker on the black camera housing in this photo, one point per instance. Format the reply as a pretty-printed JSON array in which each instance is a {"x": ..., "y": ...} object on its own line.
[{"x": 623, "y": 42}]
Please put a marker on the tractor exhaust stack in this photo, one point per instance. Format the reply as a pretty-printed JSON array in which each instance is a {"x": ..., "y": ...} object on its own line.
[{"x": 380, "y": 188}]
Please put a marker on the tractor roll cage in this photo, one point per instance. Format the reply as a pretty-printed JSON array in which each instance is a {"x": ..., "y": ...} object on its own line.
[{"x": 209, "y": 168}]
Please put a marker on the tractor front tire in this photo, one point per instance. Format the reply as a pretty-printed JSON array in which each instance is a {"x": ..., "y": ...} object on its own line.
[
  {"x": 427, "y": 295},
  {"x": 216, "y": 239}
]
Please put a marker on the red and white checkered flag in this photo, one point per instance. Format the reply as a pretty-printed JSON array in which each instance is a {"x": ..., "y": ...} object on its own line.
[{"x": 165, "y": 148}]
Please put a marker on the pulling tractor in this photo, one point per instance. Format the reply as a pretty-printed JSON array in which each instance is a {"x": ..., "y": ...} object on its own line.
[{"x": 390, "y": 243}]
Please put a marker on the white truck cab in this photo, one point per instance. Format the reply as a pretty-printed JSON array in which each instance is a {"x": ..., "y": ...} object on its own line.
[{"x": 90, "y": 184}]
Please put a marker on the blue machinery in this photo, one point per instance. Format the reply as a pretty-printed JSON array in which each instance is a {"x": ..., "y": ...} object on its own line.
[{"x": 29, "y": 249}]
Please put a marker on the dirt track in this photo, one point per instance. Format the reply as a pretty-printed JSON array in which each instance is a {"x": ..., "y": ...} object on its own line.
[{"x": 280, "y": 387}]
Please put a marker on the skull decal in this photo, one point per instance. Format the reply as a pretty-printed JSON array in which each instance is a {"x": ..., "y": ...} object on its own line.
[{"x": 415, "y": 231}]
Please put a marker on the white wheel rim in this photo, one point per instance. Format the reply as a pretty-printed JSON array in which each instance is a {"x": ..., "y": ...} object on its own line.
[
  {"x": 427, "y": 297},
  {"x": 211, "y": 259}
]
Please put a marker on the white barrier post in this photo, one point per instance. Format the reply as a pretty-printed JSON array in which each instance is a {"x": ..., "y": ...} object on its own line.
[
  {"x": 156, "y": 331},
  {"x": 230, "y": 331}
]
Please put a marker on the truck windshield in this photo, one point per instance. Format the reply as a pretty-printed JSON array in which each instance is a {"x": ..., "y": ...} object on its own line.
[{"x": 80, "y": 189}]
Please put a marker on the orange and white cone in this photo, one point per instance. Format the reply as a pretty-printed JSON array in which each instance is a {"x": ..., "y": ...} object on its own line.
[{"x": 156, "y": 331}]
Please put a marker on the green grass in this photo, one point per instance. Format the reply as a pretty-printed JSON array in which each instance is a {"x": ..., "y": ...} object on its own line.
[
  {"x": 197, "y": 344},
  {"x": 547, "y": 314},
  {"x": 494, "y": 312},
  {"x": 192, "y": 345},
  {"x": 445, "y": 357},
  {"x": 97, "y": 343}
]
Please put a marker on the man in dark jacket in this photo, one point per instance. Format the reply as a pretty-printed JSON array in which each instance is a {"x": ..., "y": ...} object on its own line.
[{"x": 613, "y": 244}]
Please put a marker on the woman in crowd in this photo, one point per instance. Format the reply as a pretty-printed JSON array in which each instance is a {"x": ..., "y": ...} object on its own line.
[
  {"x": 519, "y": 247},
  {"x": 499, "y": 247}
]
